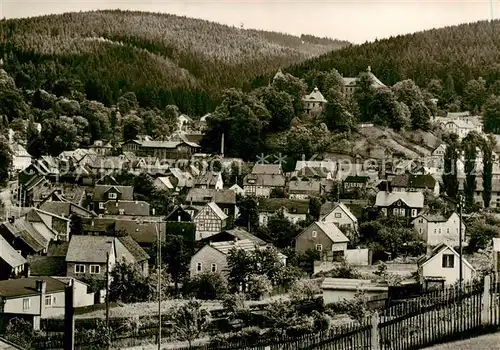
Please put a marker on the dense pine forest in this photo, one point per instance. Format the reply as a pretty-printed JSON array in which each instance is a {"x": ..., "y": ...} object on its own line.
[
  {"x": 164, "y": 59},
  {"x": 453, "y": 55}
]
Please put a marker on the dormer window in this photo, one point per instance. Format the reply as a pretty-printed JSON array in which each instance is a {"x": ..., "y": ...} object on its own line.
[{"x": 112, "y": 195}]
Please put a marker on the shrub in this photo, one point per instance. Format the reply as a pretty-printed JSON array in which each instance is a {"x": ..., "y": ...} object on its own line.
[
  {"x": 236, "y": 306},
  {"x": 207, "y": 286},
  {"x": 305, "y": 289},
  {"x": 258, "y": 287}
]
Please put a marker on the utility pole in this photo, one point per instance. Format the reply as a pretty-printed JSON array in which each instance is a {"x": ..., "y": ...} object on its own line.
[
  {"x": 107, "y": 290},
  {"x": 460, "y": 204},
  {"x": 69, "y": 318},
  {"x": 159, "y": 282}
]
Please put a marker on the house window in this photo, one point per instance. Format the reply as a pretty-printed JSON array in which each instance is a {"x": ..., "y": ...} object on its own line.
[
  {"x": 48, "y": 300},
  {"x": 314, "y": 234},
  {"x": 112, "y": 196},
  {"x": 395, "y": 211},
  {"x": 95, "y": 269},
  {"x": 413, "y": 213},
  {"x": 101, "y": 205},
  {"x": 226, "y": 211},
  {"x": 213, "y": 267},
  {"x": 448, "y": 260},
  {"x": 338, "y": 215},
  {"x": 121, "y": 211},
  {"x": 79, "y": 268},
  {"x": 199, "y": 267},
  {"x": 319, "y": 247},
  {"x": 26, "y": 303}
]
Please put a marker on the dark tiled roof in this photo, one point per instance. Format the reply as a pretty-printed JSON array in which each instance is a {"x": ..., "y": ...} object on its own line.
[
  {"x": 135, "y": 249},
  {"x": 98, "y": 224},
  {"x": 141, "y": 232},
  {"x": 27, "y": 286},
  {"x": 134, "y": 208},
  {"x": 10, "y": 255},
  {"x": 24, "y": 230},
  {"x": 414, "y": 181},
  {"x": 47, "y": 265},
  {"x": 208, "y": 178},
  {"x": 270, "y": 180},
  {"x": 202, "y": 195},
  {"x": 268, "y": 169},
  {"x": 304, "y": 187},
  {"x": 127, "y": 192},
  {"x": 89, "y": 249},
  {"x": 357, "y": 179},
  {"x": 295, "y": 206}
]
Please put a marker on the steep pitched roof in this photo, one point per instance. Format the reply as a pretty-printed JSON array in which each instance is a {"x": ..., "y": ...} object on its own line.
[
  {"x": 27, "y": 286},
  {"x": 332, "y": 231},
  {"x": 127, "y": 192},
  {"x": 412, "y": 199},
  {"x": 63, "y": 208},
  {"x": 218, "y": 211},
  {"x": 10, "y": 255},
  {"x": 345, "y": 209},
  {"x": 133, "y": 253},
  {"x": 89, "y": 249},
  {"x": 208, "y": 178},
  {"x": 438, "y": 250},
  {"x": 23, "y": 229},
  {"x": 268, "y": 169},
  {"x": 315, "y": 96}
]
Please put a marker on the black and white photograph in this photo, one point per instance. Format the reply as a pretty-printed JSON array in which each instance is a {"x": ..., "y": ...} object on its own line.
[{"x": 250, "y": 174}]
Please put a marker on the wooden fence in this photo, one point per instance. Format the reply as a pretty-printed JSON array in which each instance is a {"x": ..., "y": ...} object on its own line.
[{"x": 435, "y": 317}]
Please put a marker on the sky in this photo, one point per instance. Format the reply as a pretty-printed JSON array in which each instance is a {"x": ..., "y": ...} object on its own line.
[{"x": 354, "y": 20}]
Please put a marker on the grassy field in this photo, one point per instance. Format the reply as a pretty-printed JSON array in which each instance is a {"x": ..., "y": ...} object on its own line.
[{"x": 490, "y": 341}]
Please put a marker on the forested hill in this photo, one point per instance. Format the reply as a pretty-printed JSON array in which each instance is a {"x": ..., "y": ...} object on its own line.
[
  {"x": 454, "y": 54},
  {"x": 164, "y": 59}
]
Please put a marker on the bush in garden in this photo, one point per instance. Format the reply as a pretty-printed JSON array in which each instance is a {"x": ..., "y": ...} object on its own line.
[
  {"x": 236, "y": 306},
  {"x": 207, "y": 286},
  {"x": 258, "y": 287},
  {"x": 304, "y": 289}
]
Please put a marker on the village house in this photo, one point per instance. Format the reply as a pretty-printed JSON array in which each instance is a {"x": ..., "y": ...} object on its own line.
[
  {"x": 148, "y": 165},
  {"x": 209, "y": 220},
  {"x": 104, "y": 193},
  {"x": 294, "y": 210},
  {"x": 437, "y": 157},
  {"x": 441, "y": 268},
  {"x": 263, "y": 179},
  {"x": 335, "y": 290},
  {"x": 341, "y": 216},
  {"x": 415, "y": 183},
  {"x": 438, "y": 229},
  {"x": 108, "y": 165},
  {"x": 225, "y": 199},
  {"x": 324, "y": 237},
  {"x": 161, "y": 149},
  {"x": 23, "y": 237},
  {"x": 180, "y": 179},
  {"x": 66, "y": 209},
  {"x": 92, "y": 256},
  {"x": 314, "y": 102},
  {"x": 460, "y": 127},
  {"x": 50, "y": 226},
  {"x": 145, "y": 233},
  {"x": 236, "y": 234},
  {"x": 299, "y": 189},
  {"x": 21, "y": 159},
  {"x": 178, "y": 214},
  {"x": 101, "y": 147},
  {"x": 402, "y": 204},
  {"x": 237, "y": 189},
  {"x": 163, "y": 183},
  {"x": 355, "y": 183},
  {"x": 327, "y": 166},
  {"x": 36, "y": 298},
  {"x": 213, "y": 257},
  {"x": 12, "y": 263},
  {"x": 350, "y": 84},
  {"x": 209, "y": 179},
  {"x": 79, "y": 156}
]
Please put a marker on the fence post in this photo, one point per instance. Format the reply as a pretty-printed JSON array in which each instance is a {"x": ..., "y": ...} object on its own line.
[
  {"x": 374, "y": 338},
  {"x": 486, "y": 305}
]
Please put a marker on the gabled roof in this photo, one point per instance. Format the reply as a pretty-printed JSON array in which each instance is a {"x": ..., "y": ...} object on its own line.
[
  {"x": 412, "y": 199},
  {"x": 21, "y": 287},
  {"x": 344, "y": 208},
  {"x": 293, "y": 206},
  {"x": 313, "y": 172},
  {"x": 205, "y": 195},
  {"x": 22, "y": 229},
  {"x": 138, "y": 254},
  {"x": 315, "y": 96},
  {"x": 413, "y": 181},
  {"x": 208, "y": 178},
  {"x": 357, "y": 179},
  {"x": 332, "y": 231},
  {"x": 141, "y": 231},
  {"x": 89, "y": 249},
  {"x": 218, "y": 211},
  {"x": 63, "y": 208},
  {"x": 10, "y": 255},
  {"x": 440, "y": 249},
  {"x": 127, "y": 192},
  {"x": 165, "y": 181},
  {"x": 239, "y": 235}
]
